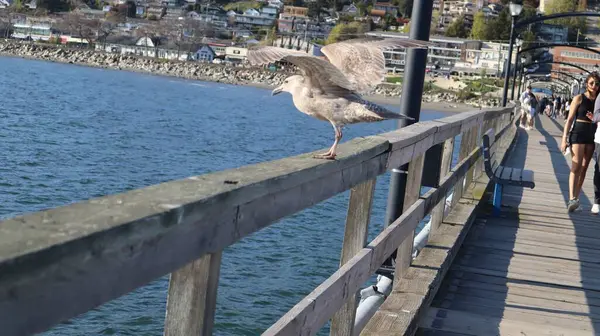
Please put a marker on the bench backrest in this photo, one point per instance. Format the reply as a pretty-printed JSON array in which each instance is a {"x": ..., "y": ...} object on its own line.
[{"x": 489, "y": 152}]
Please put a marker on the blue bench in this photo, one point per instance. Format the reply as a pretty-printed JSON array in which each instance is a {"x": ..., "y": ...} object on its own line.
[{"x": 502, "y": 175}]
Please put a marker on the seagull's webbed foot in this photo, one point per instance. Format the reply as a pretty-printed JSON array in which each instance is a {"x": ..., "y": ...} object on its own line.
[
  {"x": 327, "y": 156},
  {"x": 330, "y": 155}
]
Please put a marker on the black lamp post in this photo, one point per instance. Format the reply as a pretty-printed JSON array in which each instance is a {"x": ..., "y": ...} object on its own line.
[
  {"x": 522, "y": 70},
  {"x": 515, "y": 11},
  {"x": 517, "y": 68}
]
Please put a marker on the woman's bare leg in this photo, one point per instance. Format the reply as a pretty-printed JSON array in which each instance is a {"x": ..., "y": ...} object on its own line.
[
  {"x": 576, "y": 163},
  {"x": 587, "y": 157}
]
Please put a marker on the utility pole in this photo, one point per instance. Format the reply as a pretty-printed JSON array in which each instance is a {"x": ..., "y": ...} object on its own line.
[{"x": 410, "y": 104}]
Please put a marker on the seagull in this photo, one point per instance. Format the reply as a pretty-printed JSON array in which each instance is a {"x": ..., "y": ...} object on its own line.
[{"x": 330, "y": 88}]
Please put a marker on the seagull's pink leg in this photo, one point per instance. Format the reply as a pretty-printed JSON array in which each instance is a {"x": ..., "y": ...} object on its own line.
[{"x": 330, "y": 155}]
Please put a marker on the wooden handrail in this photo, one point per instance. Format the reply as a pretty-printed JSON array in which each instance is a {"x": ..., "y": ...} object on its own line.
[{"x": 59, "y": 263}]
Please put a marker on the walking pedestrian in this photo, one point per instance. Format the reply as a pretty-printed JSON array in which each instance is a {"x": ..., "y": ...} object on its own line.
[{"x": 580, "y": 137}]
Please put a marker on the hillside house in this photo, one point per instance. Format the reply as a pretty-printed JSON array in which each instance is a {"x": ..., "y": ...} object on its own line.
[{"x": 205, "y": 54}]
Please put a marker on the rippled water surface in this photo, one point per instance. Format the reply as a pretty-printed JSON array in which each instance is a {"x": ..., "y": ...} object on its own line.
[{"x": 69, "y": 133}]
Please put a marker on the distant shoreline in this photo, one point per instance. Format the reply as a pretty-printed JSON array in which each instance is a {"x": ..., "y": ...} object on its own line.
[{"x": 386, "y": 94}]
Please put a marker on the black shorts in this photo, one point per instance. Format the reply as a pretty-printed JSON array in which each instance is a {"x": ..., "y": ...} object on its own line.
[{"x": 582, "y": 133}]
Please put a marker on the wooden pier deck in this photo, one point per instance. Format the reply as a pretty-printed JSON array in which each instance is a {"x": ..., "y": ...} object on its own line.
[{"x": 534, "y": 270}]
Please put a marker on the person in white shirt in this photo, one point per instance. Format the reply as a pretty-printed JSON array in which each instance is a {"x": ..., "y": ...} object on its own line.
[{"x": 528, "y": 104}]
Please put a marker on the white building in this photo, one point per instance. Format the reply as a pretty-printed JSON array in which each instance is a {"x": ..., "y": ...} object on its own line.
[
  {"x": 236, "y": 54},
  {"x": 32, "y": 30},
  {"x": 453, "y": 55}
]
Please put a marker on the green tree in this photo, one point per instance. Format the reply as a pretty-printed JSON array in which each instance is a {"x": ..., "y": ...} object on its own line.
[
  {"x": 574, "y": 24},
  {"x": 54, "y": 5},
  {"x": 405, "y": 6},
  {"x": 528, "y": 38},
  {"x": 480, "y": 30},
  {"x": 435, "y": 19},
  {"x": 345, "y": 31},
  {"x": 314, "y": 8},
  {"x": 561, "y": 6},
  {"x": 457, "y": 28},
  {"x": 531, "y": 3},
  {"x": 528, "y": 12},
  {"x": 498, "y": 29}
]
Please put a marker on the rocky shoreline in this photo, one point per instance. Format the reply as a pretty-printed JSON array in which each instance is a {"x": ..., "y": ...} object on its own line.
[{"x": 227, "y": 74}]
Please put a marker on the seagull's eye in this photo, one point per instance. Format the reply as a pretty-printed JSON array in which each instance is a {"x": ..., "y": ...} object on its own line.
[{"x": 285, "y": 82}]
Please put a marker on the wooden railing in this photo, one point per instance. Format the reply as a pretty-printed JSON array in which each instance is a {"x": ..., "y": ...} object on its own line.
[{"x": 59, "y": 263}]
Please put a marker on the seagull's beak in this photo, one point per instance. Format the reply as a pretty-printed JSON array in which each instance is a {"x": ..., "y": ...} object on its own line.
[{"x": 276, "y": 91}]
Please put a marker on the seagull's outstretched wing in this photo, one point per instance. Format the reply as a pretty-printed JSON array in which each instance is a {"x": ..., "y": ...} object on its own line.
[
  {"x": 259, "y": 55},
  {"x": 362, "y": 60},
  {"x": 323, "y": 76}
]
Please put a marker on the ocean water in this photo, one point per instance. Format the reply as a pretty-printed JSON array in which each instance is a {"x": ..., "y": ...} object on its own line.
[{"x": 69, "y": 133}]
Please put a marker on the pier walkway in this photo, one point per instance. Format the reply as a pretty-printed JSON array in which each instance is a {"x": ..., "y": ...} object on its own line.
[
  {"x": 532, "y": 270},
  {"x": 535, "y": 269}
]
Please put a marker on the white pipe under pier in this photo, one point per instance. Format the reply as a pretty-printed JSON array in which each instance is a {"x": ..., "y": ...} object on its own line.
[{"x": 371, "y": 298}]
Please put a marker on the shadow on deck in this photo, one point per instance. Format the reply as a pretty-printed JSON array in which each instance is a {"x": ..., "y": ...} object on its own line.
[{"x": 535, "y": 269}]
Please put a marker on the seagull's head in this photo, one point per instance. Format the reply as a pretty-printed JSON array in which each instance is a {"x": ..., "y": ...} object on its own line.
[{"x": 289, "y": 84}]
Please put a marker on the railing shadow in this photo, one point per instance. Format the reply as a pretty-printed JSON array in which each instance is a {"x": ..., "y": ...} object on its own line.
[{"x": 484, "y": 282}]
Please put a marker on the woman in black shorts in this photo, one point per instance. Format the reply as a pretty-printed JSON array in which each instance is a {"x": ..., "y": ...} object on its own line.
[{"x": 581, "y": 137}]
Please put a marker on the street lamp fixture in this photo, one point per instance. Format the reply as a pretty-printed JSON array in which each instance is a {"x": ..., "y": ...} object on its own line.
[{"x": 515, "y": 9}]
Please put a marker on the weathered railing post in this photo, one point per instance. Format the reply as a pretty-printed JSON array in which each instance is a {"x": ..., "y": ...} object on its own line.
[
  {"x": 466, "y": 146},
  {"x": 192, "y": 297},
  {"x": 413, "y": 191},
  {"x": 355, "y": 239},
  {"x": 472, "y": 144},
  {"x": 437, "y": 214}
]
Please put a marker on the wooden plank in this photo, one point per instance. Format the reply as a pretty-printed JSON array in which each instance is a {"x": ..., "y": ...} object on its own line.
[
  {"x": 528, "y": 177},
  {"x": 516, "y": 175},
  {"x": 506, "y": 173},
  {"x": 557, "y": 239},
  {"x": 192, "y": 297},
  {"x": 477, "y": 325},
  {"x": 536, "y": 248},
  {"x": 481, "y": 255},
  {"x": 355, "y": 239},
  {"x": 525, "y": 298},
  {"x": 412, "y": 193},
  {"x": 525, "y": 274},
  {"x": 495, "y": 307},
  {"x": 548, "y": 291},
  {"x": 432, "y": 332}
]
